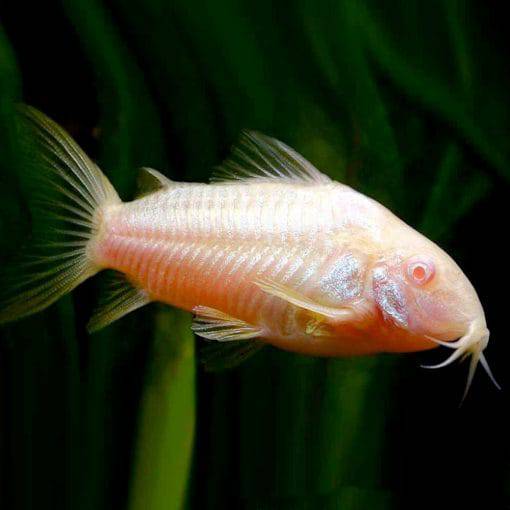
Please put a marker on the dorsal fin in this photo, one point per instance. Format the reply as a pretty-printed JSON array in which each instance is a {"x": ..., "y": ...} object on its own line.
[
  {"x": 265, "y": 159},
  {"x": 120, "y": 299},
  {"x": 150, "y": 180}
]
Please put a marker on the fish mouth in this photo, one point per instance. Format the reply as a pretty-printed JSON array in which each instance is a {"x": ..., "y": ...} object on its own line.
[{"x": 473, "y": 343}]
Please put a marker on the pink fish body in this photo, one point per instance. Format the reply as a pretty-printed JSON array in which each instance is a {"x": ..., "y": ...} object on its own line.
[
  {"x": 209, "y": 246},
  {"x": 272, "y": 252}
]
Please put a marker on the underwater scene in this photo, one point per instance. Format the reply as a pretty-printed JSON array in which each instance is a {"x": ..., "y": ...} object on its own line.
[{"x": 253, "y": 255}]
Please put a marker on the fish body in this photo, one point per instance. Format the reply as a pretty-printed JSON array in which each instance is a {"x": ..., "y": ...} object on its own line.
[
  {"x": 209, "y": 244},
  {"x": 272, "y": 252}
]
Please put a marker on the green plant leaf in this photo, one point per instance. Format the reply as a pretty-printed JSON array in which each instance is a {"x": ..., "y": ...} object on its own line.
[
  {"x": 432, "y": 90},
  {"x": 166, "y": 428}
]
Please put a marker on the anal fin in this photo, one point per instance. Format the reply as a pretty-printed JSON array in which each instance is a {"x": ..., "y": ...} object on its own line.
[{"x": 122, "y": 299}]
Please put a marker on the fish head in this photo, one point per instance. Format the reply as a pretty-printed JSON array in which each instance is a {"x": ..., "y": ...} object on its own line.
[
  {"x": 439, "y": 299},
  {"x": 419, "y": 288}
]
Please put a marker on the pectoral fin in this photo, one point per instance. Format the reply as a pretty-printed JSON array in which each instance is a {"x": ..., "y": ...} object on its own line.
[{"x": 320, "y": 312}]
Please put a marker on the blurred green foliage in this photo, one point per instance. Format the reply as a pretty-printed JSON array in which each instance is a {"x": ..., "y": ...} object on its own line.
[{"x": 406, "y": 101}]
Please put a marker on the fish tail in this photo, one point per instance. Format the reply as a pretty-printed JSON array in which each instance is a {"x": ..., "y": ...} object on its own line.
[{"x": 69, "y": 195}]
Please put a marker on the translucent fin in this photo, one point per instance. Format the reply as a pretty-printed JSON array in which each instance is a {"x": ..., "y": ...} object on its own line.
[
  {"x": 71, "y": 192},
  {"x": 150, "y": 180},
  {"x": 301, "y": 301},
  {"x": 121, "y": 299},
  {"x": 43, "y": 288},
  {"x": 221, "y": 356},
  {"x": 261, "y": 158},
  {"x": 215, "y": 325}
]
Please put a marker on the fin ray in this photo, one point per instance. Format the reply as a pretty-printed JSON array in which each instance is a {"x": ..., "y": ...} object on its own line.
[
  {"x": 257, "y": 157},
  {"x": 301, "y": 301},
  {"x": 68, "y": 192},
  {"x": 122, "y": 298},
  {"x": 213, "y": 324}
]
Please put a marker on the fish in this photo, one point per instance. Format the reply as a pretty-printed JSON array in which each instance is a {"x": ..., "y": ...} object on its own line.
[{"x": 270, "y": 252}]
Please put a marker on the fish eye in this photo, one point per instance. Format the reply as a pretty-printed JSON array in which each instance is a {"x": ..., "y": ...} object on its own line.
[{"x": 420, "y": 271}]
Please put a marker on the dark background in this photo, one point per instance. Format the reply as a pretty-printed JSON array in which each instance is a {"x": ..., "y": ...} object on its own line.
[{"x": 407, "y": 102}]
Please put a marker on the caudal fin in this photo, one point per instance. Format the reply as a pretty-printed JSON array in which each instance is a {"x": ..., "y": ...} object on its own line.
[{"x": 70, "y": 193}]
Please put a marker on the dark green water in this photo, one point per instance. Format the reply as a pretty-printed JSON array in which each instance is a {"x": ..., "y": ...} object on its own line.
[{"x": 407, "y": 102}]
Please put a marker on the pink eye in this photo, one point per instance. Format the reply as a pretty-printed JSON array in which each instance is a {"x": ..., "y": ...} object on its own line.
[{"x": 420, "y": 272}]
